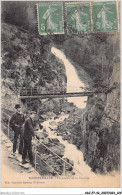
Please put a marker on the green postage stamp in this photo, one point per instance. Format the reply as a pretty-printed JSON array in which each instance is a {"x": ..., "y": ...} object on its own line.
[
  {"x": 78, "y": 17},
  {"x": 50, "y": 18},
  {"x": 105, "y": 16}
]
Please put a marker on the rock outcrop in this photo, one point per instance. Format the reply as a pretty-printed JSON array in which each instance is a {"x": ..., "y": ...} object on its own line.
[
  {"x": 100, "y": 127},
  {"x": 50, "y": 152}
]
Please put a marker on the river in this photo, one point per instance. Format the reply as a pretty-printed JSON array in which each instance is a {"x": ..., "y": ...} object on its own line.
[
  {"x": 71, "y": 152},
  {"x": 74, "y": 84}
]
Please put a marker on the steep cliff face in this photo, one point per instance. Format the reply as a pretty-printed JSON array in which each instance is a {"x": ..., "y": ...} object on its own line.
[{"x": 101, "y": 129}]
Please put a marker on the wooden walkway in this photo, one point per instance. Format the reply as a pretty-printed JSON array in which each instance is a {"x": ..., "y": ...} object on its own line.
[
  {"x": 25, "y": 93},
  {"x": 58, "y": 95}
]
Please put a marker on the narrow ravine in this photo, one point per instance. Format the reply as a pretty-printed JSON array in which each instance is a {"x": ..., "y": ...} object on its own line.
[
  {"x": 71, "y": 151},
  {"x": 73, "y": 84}
]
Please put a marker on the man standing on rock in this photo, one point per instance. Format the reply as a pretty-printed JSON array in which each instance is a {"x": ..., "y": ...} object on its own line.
[
  {"x": 28, "y": 134},
  {"x": 16, "y": 123}
]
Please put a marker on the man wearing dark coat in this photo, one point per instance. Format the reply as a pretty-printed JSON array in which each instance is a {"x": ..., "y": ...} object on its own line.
[
  {"x": 16, "y": 123},
  {"x": 28, "y": 134}
]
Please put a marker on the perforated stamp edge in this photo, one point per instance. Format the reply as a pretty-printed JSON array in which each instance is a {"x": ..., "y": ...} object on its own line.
[
  {"x": 50, "y": 2},
  {"x": 79, "y": 2},
  {"x": 117, "y": 12},
  {"x": 64, "y": 15}
]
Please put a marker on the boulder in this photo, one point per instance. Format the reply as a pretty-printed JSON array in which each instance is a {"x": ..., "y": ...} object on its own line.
[
  {"x": 56, "y": 140},
  {"x": 71, "y": 162},
  {"x": 58, "y": 161},
  {"x": 57, "y": 150},
  {"x": 65, "y": 137}
]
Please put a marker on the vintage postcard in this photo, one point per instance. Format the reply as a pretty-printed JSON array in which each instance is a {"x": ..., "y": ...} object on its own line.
[{"x": 60, "y": 94}]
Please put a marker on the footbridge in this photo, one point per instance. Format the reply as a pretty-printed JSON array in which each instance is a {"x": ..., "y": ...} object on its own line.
[{"x": 25, "y": 93}]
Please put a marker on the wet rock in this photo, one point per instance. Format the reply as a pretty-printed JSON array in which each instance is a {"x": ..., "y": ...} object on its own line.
[
  {"x": 65, "y": 137},
  {"x": 61, "y": 146},
  {"x": 58, "y": 161},
  {"x": 71, "y": 162},
  {"x": 69, "y": 165},
  {"x": 42, "y": 135},
  {"x": 56, "y": 141},
  {"x": 57, "y": 150},
  {"x": 53, "y": 160}
]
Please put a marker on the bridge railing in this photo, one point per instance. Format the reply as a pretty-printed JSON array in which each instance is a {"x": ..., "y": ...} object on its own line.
[
  {"x": 23, "y": 91},
  {"x": 35, "y": 150}
]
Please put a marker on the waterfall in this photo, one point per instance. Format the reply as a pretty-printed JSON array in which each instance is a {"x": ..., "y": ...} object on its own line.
[{"x": 74, "y": 83}]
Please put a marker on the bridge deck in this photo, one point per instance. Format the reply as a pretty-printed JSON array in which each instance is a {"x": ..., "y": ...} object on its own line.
[{"x": 57, "y": 95}]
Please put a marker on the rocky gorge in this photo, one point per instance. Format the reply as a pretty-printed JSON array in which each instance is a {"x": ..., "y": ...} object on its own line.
[
  {"x": 98, "y": 126},
  {"x": 27, "y": 61}
]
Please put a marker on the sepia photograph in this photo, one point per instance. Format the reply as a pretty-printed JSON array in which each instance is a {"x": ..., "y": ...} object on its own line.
[{"x": 60, "y": 94}]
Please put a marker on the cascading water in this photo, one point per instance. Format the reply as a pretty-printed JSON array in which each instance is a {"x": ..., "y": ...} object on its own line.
[
  {"x": 71, "y": 151},
  {"x": 74, "y": 84}
]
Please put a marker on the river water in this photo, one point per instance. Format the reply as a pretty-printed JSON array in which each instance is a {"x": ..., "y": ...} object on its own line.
[
  {"x": 74, "y": 84},
  {"x": 71, "y": 152}
]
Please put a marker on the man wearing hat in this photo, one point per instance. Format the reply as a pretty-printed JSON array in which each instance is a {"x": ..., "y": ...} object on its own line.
[
  {"x": 28, "y": 134},
  {"x": 16, "y": 123}
]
